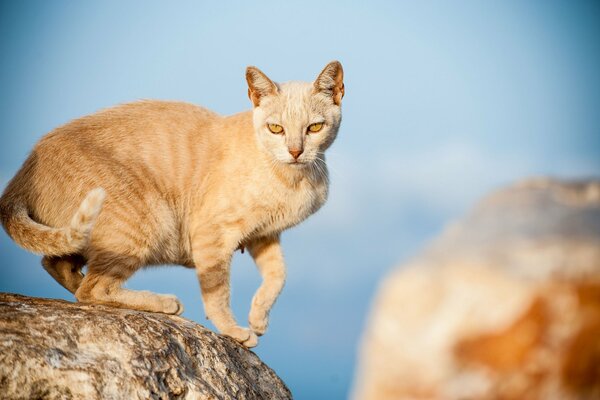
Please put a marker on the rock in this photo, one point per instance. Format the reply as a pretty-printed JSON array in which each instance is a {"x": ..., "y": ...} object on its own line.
[
  {"x": 52, "y": 349},
  {"x": 504, "y": 305}
]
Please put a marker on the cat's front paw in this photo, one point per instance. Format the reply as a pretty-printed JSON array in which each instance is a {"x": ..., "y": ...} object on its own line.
[
  {"x": 259, "y": 322},
  {"x": 242, "y": 335}
]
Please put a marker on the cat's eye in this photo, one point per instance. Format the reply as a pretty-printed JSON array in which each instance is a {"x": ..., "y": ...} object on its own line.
[
  {"x": 274, "y": 128},
  {"x": 314, "y": 128}
]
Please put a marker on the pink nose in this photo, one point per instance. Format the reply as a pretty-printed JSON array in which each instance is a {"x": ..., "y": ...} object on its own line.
[{"x": 295, "y": 153}]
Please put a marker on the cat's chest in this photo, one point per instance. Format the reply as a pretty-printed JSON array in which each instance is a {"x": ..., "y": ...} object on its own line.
[{"x": 282, "y": 207}]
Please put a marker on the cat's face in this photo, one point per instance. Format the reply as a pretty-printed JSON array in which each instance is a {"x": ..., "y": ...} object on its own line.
[{"x": 296, "y": 122}]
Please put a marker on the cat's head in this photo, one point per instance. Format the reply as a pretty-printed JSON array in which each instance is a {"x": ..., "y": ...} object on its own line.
[{"x": 296, "y": 122}]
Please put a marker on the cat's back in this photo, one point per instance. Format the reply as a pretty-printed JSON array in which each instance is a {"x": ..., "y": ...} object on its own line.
[
  {"x": 133, "y": 151},
  {"x": 133, "y": 123},
  {"x": 154, "y": 139}
]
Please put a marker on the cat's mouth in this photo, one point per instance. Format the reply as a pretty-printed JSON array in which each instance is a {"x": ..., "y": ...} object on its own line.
[{"x": 297, "y": 163}]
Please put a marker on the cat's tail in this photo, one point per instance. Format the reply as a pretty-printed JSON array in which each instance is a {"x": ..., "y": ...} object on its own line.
[{"x": 46, "y": 240}]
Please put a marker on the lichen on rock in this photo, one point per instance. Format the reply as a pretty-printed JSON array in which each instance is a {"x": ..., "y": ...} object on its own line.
[{"x": 53, "y": 349}]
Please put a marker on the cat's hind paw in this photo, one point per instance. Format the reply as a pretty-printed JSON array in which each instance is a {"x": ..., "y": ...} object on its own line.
[{"x": 171, "y": 304}]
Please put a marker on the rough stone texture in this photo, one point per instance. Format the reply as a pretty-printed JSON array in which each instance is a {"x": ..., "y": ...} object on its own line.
[
  {"x": 504, "y": 305},
  {"x": 52, "y": 349}
]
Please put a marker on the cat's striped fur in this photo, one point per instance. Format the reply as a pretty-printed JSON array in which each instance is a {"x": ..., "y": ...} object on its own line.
[{"x": 157, "y": 182}]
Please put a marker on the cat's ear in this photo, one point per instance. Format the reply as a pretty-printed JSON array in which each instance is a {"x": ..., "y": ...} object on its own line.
[
  {"x": 259, "y": 85},
  {"x": 331, "y": 81}
]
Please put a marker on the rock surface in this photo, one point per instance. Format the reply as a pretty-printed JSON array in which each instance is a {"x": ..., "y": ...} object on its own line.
[
  {"x": 504, "y": 305},
  {"x": 52, "y": 349}
]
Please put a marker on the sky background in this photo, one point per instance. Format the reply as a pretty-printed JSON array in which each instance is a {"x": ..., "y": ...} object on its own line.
[{"x": 444, "y": 102}]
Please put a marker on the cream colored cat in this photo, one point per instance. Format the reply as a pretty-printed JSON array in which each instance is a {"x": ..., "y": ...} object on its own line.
[{"x": 157, "y": 182}]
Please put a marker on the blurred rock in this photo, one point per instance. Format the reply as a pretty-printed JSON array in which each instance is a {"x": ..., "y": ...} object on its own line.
[
  {"x": 504, "y": 305},
  {"x": 52, "y": 349}
]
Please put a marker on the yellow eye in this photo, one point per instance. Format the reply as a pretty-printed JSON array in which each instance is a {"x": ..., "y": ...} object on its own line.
[
  {"x": 315, "y": 127},
  {"x": 274, "y": 128}
]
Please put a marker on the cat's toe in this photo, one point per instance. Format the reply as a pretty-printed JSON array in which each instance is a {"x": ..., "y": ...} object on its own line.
[
  {"x": 171, "y": 305},
  {"x": 242, "y": 335},
  {"x": 252, "y": 341}
]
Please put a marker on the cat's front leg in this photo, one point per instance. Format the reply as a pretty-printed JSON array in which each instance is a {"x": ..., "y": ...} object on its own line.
[
  {"x": 212, "y": 258},
  {"x": 268, "y": 257}
]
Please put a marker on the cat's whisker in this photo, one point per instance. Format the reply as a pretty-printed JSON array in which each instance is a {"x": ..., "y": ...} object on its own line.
[
  {"x": 320, "y": 158},
  {"x": 333, "y": 171},
  {"x": 322, "y": 169},
  {"x": 315, "y": 170}
]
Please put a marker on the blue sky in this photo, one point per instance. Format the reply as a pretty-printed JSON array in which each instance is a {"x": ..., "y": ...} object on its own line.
[{"x": 444, "y": 102}]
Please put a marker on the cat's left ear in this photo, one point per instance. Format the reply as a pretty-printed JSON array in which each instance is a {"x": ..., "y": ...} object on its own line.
[
  {"x": 259, "y": 85},
  {"x": 331, "y": 81}
]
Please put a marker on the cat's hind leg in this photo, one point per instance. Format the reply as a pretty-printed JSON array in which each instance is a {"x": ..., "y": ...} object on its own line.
[
  {"x": 103, "y": 285},
  {"x": 66, "y": 270},
  {"x": 268, "y": 257}
]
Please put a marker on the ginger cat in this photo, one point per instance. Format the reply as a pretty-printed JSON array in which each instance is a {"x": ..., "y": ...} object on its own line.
[{"x": 155, "y": 182}]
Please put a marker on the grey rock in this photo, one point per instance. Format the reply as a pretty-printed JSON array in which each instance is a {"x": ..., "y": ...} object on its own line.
[{"x": 53, "y": 349}]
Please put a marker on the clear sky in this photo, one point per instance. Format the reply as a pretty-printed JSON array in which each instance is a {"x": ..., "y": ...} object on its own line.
[{"x": 444, "y": 102}]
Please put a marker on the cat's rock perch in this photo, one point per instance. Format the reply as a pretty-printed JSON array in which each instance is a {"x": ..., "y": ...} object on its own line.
[{"x": 52, "y": 349}]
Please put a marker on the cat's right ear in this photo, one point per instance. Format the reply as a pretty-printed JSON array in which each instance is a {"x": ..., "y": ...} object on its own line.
[
  {"x": 259, "y": 85},
  {"x": 331, "y": 81}
]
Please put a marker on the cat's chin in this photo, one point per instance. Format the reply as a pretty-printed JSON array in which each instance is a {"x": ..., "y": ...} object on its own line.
[
  {"x": 293, "y": 163},
  {"x": 297, "y": 164}
]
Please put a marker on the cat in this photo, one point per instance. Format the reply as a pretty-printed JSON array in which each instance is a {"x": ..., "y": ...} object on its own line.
[{"x": 155, "y": 182}]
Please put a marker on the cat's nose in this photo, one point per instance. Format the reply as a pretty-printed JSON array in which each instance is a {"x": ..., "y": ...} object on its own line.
[{"x": 295, "y": 153}]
